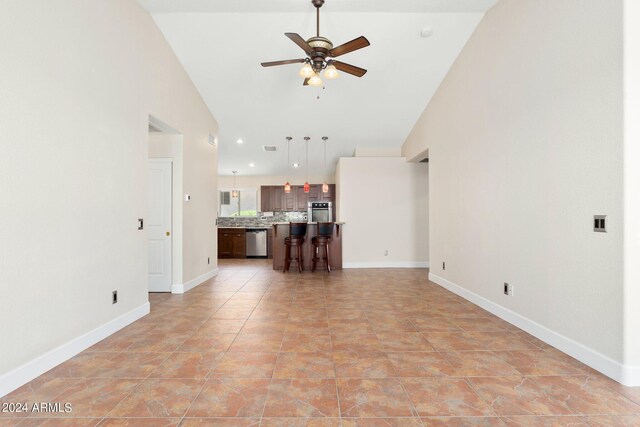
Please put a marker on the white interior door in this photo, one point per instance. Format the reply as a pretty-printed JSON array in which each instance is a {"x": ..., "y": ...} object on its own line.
[{"x": 158, "y": 225}]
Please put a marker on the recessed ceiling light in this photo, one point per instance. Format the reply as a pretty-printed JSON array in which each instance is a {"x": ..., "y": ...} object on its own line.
[
  {"x": 251, "y": 165},
  {"x": 240, "y": 141},
  {"x": 296, "y": 165}
]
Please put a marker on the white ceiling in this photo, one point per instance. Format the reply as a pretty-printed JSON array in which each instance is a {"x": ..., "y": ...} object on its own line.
[{"x": 222, "y": 42}]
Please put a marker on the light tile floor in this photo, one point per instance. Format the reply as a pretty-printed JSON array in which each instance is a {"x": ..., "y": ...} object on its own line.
[{"x": 255, "y": 347}]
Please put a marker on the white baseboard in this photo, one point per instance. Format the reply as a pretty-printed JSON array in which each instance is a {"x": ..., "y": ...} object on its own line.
[
  {"x": 627, "y": 375},
  {"x": 181, "y": 288},
  {"x": 38, "y": 366},
  {"x": 389, "y": 264}
]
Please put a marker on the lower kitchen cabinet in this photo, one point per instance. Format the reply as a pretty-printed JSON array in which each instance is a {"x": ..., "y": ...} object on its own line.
[
  {"x": 270, "y": 243},
  {"x": 231, "y": 243}
]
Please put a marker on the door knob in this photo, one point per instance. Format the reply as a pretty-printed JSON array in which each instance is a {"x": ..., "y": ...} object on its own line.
[{"x": 168, "y": 233}]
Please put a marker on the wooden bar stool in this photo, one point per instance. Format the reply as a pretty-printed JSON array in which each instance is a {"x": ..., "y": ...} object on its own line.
[
  {"x": 297, "y": 232},
  {"x": 322, "y": 240}
]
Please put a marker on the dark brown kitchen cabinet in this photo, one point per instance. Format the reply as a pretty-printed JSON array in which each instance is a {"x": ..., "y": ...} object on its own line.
[
  {"x": 265, "y": 199},
  {"x": 274, "y": 199},
  {"x": 315, "y": 192},
  {"x": 330, "y": 196},
  {"x": 270, "y": 243},
  {"x": 231, "y": 243},
  {"x": 289, "y": 200},
  {"x": 271, "y": 198},
  {"x": 301, "y": 198},
  {"x": 277, "y": 191}
]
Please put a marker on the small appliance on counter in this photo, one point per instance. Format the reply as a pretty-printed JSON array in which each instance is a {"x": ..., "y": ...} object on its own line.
[{"x": 319, "y": 211}]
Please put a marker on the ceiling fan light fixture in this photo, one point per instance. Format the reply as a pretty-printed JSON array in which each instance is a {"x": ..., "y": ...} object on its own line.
[
  {"x": 306, "y": 71},
  {"x": 315, "y": 80},
  {"x": 331, "y": 72}
]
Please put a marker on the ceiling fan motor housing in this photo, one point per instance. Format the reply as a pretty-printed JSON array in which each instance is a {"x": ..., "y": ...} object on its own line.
[{"x": 321, "y": 47}]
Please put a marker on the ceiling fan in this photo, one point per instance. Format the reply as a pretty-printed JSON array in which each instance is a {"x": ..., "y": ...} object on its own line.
[{"x": 320, "y": 53}]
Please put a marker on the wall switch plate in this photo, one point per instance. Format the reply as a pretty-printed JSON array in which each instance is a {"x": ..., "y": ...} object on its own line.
[
  {"x": 208, "y": 260},
  {"x": 386, "y": 252},
  {"x": 599, "y": 223},
  {"x": 444, "y": 265},
  {"x": 140, "y": 224},
  {"x": 507, "y": 289},
  {"x": 187, "y": 197},
  {"x": 114, "y": 297}
]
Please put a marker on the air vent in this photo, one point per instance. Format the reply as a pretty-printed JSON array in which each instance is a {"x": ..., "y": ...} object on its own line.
[
  {"x": 225, "y": 198},
  {"x": 425, "y": 160},
  {"x": 269, "y": 148}
]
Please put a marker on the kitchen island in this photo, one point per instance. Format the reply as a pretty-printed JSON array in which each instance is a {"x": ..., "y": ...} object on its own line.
[{"x": 281, "y": 230}]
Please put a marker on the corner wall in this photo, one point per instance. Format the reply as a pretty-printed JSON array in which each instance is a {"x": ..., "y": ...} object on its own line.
[
  {"x": 632, "y": 188},
  {"x": 525, "y": 146},
  {"x": 384, "y": 202},
  {"x": 79, "y": 80}
]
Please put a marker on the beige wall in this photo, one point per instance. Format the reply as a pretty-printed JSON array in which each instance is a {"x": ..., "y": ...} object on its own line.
[
  {"x": 384, "y": 202},
  {"x": 632, "y": 184},
  {"x": 525, "y": 146},
  {"x": 79, "y": 80}
]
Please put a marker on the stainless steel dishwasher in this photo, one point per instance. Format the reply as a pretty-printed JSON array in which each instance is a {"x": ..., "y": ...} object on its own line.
[{"x": 256, "y": 242}]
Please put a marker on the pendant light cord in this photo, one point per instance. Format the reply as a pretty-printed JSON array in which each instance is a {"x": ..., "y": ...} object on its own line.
[{"x": 307, "y": 150}]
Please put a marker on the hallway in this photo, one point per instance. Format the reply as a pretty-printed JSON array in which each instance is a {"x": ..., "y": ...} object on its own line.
[{"x": 370, "y": 347}]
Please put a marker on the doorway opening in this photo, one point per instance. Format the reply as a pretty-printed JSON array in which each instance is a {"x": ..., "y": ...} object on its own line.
[{"x": 164, "y": 213}]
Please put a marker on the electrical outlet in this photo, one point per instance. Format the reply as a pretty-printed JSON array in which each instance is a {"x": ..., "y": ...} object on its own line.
[
  {"x": 507, "y": 289},
  {"x": 444, "y": 265},
  {"x": 114, "y": 297},
  {"x": 386, "y": 252}
]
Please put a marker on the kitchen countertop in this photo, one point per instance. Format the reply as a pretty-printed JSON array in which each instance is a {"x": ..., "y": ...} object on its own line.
[
  {"x": 260, "y": 227},
  {"x": 265, "y": 227},
  {"x": 309, "y": 223}
]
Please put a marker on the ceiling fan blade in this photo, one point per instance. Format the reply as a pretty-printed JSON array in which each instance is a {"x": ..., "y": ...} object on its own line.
[
  {"x": 354, "y": 44},
  {"x": 348, "y": 68},
  {"x": 300, "y": 42},
  {"x": 288, "y": 61},
  {"x": 306, "y": 82}
]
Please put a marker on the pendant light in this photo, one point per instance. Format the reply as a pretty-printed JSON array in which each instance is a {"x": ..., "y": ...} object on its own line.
[
  {"x": 325, "y": 185},
  {"x": 287, "y": 186},
  {"x": 306, "y": 182},
  {"x": 234, "y": 193}
]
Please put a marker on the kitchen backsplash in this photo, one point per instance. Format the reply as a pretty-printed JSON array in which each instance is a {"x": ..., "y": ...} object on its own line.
[{"x": 261, "y": 221}]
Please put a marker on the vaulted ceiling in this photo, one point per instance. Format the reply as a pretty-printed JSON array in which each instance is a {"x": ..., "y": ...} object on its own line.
[{"x": 221, "y": 44}]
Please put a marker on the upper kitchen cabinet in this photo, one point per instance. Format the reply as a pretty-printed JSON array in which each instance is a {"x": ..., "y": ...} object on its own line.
[
  {"x": 315, "y": 191},
  {"x": 265, "y": 199},
  {"x": 301, "y": 198},
  {"x": 274, "y": 199},
  {"x": 330, "y": 196},
  {"x": 277, "y": 193},
  {"x": 271, "y": 198},
  {"x": 289, "y": 200}
]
